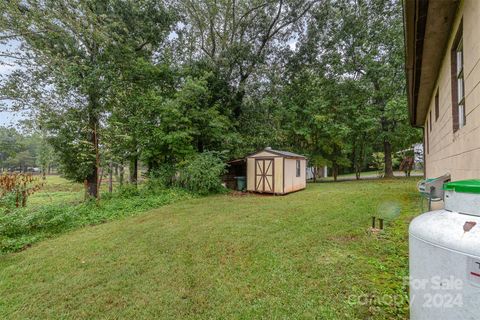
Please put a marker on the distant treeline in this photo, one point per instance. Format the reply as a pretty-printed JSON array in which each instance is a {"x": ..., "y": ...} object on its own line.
[{"x": 25, "y": 153}]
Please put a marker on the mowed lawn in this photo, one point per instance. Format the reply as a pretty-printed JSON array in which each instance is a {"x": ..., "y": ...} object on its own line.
[{"x": 307, "y": 255}]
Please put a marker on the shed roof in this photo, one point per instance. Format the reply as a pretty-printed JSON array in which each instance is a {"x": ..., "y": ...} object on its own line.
[
  {"x": 280, "y": 153},
  {"x": 236, "y": 161}
]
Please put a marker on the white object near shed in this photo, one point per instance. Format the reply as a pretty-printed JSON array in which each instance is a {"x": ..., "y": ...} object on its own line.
[{"x": 276, "y": 172}]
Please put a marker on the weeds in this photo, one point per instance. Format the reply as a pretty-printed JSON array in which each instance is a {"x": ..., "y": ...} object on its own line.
[{"x": 18, "y": 187}]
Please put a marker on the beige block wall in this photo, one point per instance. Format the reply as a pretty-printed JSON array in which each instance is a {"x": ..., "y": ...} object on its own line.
[
  {"x": 457, "y": 153},
  {"x": 278, "y": 175},
  {"x": 292, "y": 182},
  {"x": 250, "y": 174}
]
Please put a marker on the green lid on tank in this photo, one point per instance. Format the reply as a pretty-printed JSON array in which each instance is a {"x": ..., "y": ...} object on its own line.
[{"x": 464, "y": 186}]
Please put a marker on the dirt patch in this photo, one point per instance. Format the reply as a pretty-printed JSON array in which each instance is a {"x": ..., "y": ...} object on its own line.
[{"x": 239, "y": 194}]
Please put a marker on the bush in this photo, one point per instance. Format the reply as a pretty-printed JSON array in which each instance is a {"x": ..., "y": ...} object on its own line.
[
  {"x": 379, "y": 163},
  {"x": 128, "y": 190},
  {"x": 7, "y": 202},
  {"x": 202, "y": 174},
  {"x": 21, "y": 185},
  {"x": 162, "y": 177}
]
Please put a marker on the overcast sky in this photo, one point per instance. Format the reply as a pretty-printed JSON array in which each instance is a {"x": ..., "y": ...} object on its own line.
[
  {"x": 7, "y": 118},
  {"x": 11, "y": 118}
]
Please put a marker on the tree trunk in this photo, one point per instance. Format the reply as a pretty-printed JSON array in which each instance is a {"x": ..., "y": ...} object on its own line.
[
  {"x": 360, "y": 158},
  {"x": 134, "y": 170},
  {"x": 335, "y": 171},
  {"x": 121, "y": 174},
  {"x": 91, "y": 184},
  {"x": 92, "y": 178},
  {"x": 387, "y": 150},
  {"x": 354, "y": 155},
  {"x": 238, "y": 98},
  {"x": 110, "y": 177}
]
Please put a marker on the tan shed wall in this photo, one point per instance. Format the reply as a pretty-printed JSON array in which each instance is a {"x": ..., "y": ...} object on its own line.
[
  {"x": 457, "y": 153},
  {"x": 278, "y": 175},
  {"x": 292, "y": 182},
  {"x": 250, "y": 174}
]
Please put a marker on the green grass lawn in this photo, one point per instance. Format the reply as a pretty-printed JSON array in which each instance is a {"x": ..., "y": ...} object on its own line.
[{"x": 306, "y": 255}]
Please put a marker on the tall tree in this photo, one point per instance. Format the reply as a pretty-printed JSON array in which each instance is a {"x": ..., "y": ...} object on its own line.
[
  {"x": 363, "y": 41},
  {"x": 236, "y": 37},
  {"x": 69, "y": 62}
]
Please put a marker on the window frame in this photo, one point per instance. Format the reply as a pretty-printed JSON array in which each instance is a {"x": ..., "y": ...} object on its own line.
[
  {"x": 459, "y": 114},
  {"x": 437, "y": 106},
  {"x": 430, "y": 119},
  {"x": 426, "y": 138},
  {"x": 298, "y": 168}
]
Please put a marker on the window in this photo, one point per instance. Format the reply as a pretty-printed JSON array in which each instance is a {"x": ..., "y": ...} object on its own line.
[
  {"x": 298, "y": 168},
  {"x": 430, "y": 120},
  {"x": 458, "y": 85},
  {"x": 437, "y": 107},
  {"x": 426, "y": 138}
]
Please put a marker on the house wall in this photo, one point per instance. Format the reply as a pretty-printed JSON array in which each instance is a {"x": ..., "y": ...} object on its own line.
[
  {"x": 448, "y": 152},
  {"x": 292, "y": 182}
]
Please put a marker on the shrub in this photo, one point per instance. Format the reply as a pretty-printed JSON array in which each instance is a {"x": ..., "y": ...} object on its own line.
[
  {"x": 162, "y": 177},
  {"x": 379, "y": 163},
  {"x": 202, "y": 174},
  {"x": 8, "y": 202},
  {"x": 128, "y": 190},
  {"x": 22, "y": 185}
]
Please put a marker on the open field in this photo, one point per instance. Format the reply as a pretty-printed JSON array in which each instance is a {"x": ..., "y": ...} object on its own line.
[
  {"x": 305, "y": 255},
  {"x": 370, "y": 175},
  {"x": 59, "y": 190}
]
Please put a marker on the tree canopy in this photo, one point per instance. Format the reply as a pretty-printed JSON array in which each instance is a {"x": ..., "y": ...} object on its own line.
[{"x": 156, "y": 83}]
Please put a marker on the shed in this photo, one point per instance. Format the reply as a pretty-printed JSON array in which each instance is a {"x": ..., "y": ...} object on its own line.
[{"x": 276, "y": 172}]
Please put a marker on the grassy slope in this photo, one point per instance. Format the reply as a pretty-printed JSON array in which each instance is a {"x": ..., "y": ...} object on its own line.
[
  {"x": 59, "y": 208},
  {"x": 296, "y": 256}
]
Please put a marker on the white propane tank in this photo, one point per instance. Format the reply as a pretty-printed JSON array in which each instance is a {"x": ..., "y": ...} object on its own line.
[{"x": 444, "y": 248}]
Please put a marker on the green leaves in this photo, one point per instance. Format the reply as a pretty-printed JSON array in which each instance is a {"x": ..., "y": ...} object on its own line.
[
  {"x": 143, "y": 80},
  {"x": 202, "y": 173}
]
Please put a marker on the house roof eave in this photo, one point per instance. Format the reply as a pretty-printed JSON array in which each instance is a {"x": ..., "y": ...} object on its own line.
[{"x": 427, "y": 29}]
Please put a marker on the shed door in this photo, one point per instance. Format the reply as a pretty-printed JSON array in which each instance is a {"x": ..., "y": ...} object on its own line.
[{"x": 264, "y": 175}]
